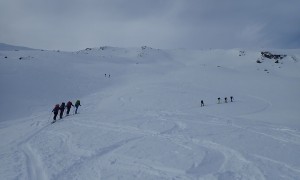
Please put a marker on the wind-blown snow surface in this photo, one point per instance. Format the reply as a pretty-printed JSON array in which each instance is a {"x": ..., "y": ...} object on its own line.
[{"x": 145, "y": 121}]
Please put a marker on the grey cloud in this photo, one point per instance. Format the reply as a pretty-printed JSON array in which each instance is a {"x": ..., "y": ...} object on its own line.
[{"x": 76, "y": 24}]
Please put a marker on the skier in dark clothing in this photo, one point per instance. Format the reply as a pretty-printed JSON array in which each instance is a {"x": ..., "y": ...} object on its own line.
[
  {"x": 202, "y": 103},
  {"x": 77, "y": 104},
  {"x": 62, "y": 109},
  {"x": 219, "y": 100},
  {"x": 225, "y": 99},
  {"x": 55, "y": 111},
  {"x": 69, "y": 105},
  {"x": 231, "y": 98}
]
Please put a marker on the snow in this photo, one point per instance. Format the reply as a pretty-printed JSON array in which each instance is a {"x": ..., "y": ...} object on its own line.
[{"x": 145, "y": 120}]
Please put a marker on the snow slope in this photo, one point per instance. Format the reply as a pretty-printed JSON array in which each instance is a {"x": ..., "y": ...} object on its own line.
[
  {"x": 145, "y": 120},
  {"x": 7, "y": 47}
]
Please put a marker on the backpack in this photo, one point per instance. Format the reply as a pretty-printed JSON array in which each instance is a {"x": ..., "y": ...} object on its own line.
[
  {"x": 69, "y": 104},
  {"x": 77, "y": 103},
  {"x": 62, "y": 105},
  {"x": 56, "y": 108}
]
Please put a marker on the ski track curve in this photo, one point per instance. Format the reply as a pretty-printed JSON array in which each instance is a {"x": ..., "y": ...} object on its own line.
[
  {"x": 291, "y": 168},
  {"x": 268, "y": 105},
  {"x": 86, "y": 157},
  {"x": 67, "y": 139},
  {"x": 215, "y": 150},
  {"x": 219, "y": 158},
  {"x": 136, "y": 165},
  {"x": 92, "y": 157},
  {"x": 227, "y": 121},
  {"x": 235, "y": 164},
  {"x": 34, "y": 164},
  {"x": 133, "y": 130},
  {"x": 211, "y": 162}
]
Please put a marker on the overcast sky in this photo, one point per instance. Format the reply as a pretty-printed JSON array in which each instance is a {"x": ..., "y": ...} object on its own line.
[{"x": 197, "y": 24}]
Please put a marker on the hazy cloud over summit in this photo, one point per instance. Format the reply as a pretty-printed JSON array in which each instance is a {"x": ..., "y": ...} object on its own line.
[{"x": 76, "y": 24}]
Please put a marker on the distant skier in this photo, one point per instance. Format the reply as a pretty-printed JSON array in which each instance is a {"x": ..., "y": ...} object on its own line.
[
  {"x": 55, "y": 112},
  {"x": 202, "y": 103},
  {"x": 225, "y": 99},
  {"x": 219, "y": 100},
  {"x": 77, "y": 104},
  {"x": 231, "y": 98},
  {"x": 69, "y": 105},
  {"x": 62, "y": 109}
]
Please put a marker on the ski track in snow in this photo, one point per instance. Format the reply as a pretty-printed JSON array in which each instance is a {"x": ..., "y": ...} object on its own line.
[
  {"x": 268, "y": 105},
  {"x": 33, "y": 161},
  {"x": 227, "y": 121},
  {"x": 217, "y": 157},
  {"x": 163, "y": 172},
  {"x": 34, "y": 164},
  {"x": 83, "y": 160},
  {"x": 295, "y": 169},
  {"x": 220, "y": 121}
]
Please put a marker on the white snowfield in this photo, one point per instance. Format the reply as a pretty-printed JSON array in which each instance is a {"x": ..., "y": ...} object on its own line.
[{"x": 145, "y": 121}]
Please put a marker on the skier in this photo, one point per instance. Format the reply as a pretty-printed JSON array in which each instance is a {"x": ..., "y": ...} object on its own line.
[
  {"x": 69, "y": 105},
  {"x": 219, "y": 100},
  {"x": 62, "y": 109},
  {"x": 202, "y": 103},
  {"x": 55, "y": 111},
  {"x": 231, "y": 98},
  {"x": 225, "y": 99},
  {"x": 77, "y": 104}
]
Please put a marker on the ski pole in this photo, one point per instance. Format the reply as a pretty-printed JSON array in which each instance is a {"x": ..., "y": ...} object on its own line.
[{"x": 49, "y": 116}]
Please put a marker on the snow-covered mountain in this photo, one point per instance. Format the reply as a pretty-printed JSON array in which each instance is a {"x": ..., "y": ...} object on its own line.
[
  {"x": 7, "y": 47},
  {"x": 141, "y": 117}
]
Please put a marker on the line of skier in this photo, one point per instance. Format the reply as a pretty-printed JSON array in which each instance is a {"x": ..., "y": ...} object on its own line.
[
  {"x": 225, "y": 99},
  {"x": 61, "y": 108},
  {"x": 219, "y": 100}
]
